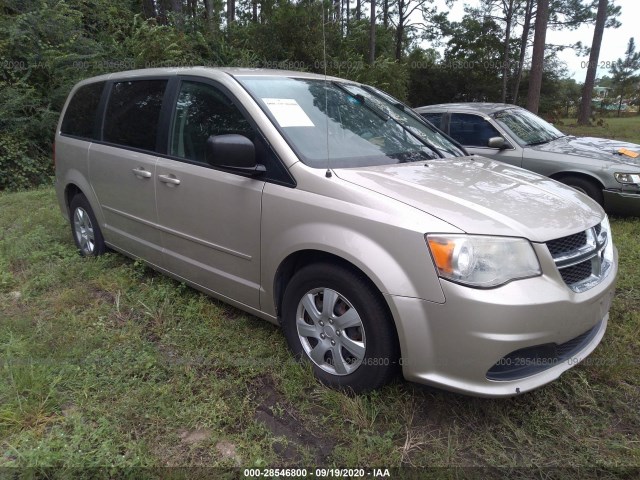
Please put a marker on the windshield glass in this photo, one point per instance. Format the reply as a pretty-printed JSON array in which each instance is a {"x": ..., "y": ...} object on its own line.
[
  {"x": 341, "y": 125},
  {"x": 408, "y": 119},
  {"x": 528, "y": 128}
]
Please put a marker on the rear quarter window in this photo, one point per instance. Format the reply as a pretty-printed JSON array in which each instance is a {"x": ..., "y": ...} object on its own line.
[
  {"x": 80, "y": 117},
  {"x": 133, "y": 113}
]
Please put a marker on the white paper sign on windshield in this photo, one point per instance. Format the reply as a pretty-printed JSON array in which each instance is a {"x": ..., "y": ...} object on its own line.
[{"x": 288, "y": 113}]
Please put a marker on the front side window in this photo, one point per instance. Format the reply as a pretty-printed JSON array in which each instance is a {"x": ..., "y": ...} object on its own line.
[
  {"x": 80, "y": 117},
  {"x": 133, "y": 113},
  {"x": 201, "y": 111},
  {"x": 339, "y": 124},
  {"x": 471, "y": 130}
]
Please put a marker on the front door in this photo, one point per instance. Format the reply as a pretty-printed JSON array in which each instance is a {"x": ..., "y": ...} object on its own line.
[
  {"x": 474, "y": 131},
  {"x": 209, "y": 219}
]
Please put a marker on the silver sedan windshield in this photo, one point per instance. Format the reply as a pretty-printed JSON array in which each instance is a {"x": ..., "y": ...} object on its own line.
[{"x": 527, "y": 128}]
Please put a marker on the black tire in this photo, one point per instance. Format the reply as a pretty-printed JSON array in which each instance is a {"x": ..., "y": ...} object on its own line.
[
  {"x": 85, "y": 228},
  {"x": 343, "y": 335},
  {"x": 586, "y": 186}
]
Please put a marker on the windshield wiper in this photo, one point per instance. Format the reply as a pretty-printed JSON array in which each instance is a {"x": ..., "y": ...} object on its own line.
[
  {"x": 386, "y": 98},
  {"x": 417, "y": 117},
  {"x": 541, "y": 142},
  {"x": 377, "y": 111}
]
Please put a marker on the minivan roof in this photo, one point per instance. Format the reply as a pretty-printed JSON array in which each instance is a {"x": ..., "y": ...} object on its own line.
[{"x": 207, "y": 72}]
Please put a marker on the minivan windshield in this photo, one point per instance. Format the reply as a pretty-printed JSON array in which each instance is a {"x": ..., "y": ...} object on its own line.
[
  {"x": 339, "y": 124},
  {"x": 528, "y": 128}
]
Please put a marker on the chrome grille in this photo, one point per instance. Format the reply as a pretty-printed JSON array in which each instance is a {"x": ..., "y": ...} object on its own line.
[
  {"x": 580, "y": 258},
  {"x": 567, "y": 244},
  {"x": 576, "y": 273}
]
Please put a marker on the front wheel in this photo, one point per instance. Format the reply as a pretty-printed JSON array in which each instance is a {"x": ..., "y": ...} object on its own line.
[
  {"x": 84, "y": 227},
  {"x": 333, "y": 318}
]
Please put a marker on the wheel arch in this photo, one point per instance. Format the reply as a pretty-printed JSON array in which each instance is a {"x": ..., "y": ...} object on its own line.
[
  {"x": 301, "y": 258},
  {"x": 70, "y": 191},
  {"x": 559, "y": 176},
  {"x": 592, "y": 186},
  {"x": 75, "y": 183}
]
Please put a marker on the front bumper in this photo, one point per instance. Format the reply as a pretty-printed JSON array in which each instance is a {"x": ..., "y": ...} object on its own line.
[
  {"x": 620, "y": 202},
  {"x": 454, "y": 345}
]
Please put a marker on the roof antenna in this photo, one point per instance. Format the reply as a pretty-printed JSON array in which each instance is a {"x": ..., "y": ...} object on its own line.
[{"x": 326, "y": 95}]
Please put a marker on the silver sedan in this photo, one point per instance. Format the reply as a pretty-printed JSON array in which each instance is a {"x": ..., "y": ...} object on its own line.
[{"x": 606, "y": 170}]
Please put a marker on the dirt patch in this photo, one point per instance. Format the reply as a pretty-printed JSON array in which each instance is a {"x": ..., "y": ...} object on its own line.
[
  {"x": 282, "y": 419},
  {"x": 102, "y": 295},
  {"x": 13, "y": 298},
  {"x": 227, "y": 451},
  {"x": 191, "y": 448},
  {"x": 192, "y": 437},
  {"x": 68, "y": 410},
  {"x": 230, "y": 313},
  {"x": 429, "y": 419},
  {"x": 195, "y": 448},
  {"x": 421, "y": 411}
]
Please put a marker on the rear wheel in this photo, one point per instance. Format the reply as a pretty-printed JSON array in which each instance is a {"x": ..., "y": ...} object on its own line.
[
  {"x": 333, "y": 318},
  {"x": 84, "y": 227},
  {"x": 588, "y": 187}
]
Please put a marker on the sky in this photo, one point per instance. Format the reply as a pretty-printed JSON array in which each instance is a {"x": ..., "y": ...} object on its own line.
[{"x": 614, "y": 42}]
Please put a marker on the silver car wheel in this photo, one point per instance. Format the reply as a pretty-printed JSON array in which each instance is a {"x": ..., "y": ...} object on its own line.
[
  {"x": 330, "y": 331},
  {"x": 83, "y": 230}
]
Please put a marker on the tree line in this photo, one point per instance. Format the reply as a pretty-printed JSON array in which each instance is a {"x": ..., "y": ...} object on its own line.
[{"x": 409, "y": 48}]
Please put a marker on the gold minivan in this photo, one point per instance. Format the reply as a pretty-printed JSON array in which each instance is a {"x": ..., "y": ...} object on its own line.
[{"x": 334, "y": 211}]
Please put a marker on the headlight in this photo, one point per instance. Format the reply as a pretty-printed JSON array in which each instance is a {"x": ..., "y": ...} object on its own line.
[
  {"x": 627, "y": 177},
  {"x": 605, "y": 235},
  {"x": 480, "y": 261}
]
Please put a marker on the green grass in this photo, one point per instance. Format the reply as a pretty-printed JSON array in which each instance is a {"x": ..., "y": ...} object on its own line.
[
  {"x": 627, "y": 129},
  {"x": 105, "y": 363}
]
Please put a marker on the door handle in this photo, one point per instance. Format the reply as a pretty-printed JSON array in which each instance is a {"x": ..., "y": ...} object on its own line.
[
  {"x": 169, "y": 180},
  {"x": 141, "y": 172}
]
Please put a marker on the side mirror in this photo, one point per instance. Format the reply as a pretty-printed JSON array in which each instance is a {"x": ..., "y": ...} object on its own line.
[
  {"x": 235, "y": 153},
  {"x": 497, "y": 142}
]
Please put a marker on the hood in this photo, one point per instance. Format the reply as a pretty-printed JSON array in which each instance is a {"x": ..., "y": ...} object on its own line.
[
  {"x": 481, "y": 196},
  {"x": 591, "y": 147}
]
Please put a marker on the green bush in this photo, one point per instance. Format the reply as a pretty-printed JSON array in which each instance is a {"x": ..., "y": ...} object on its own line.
[{"x": 19, "y": 169}]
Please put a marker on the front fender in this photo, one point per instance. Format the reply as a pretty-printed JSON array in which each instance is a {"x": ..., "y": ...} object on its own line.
[{"x": 395, "y": 258}]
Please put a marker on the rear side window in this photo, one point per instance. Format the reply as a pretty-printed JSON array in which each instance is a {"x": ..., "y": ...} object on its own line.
[
  {"x": 80, "y": 117},
  {"x": 133, "y": 113}
]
